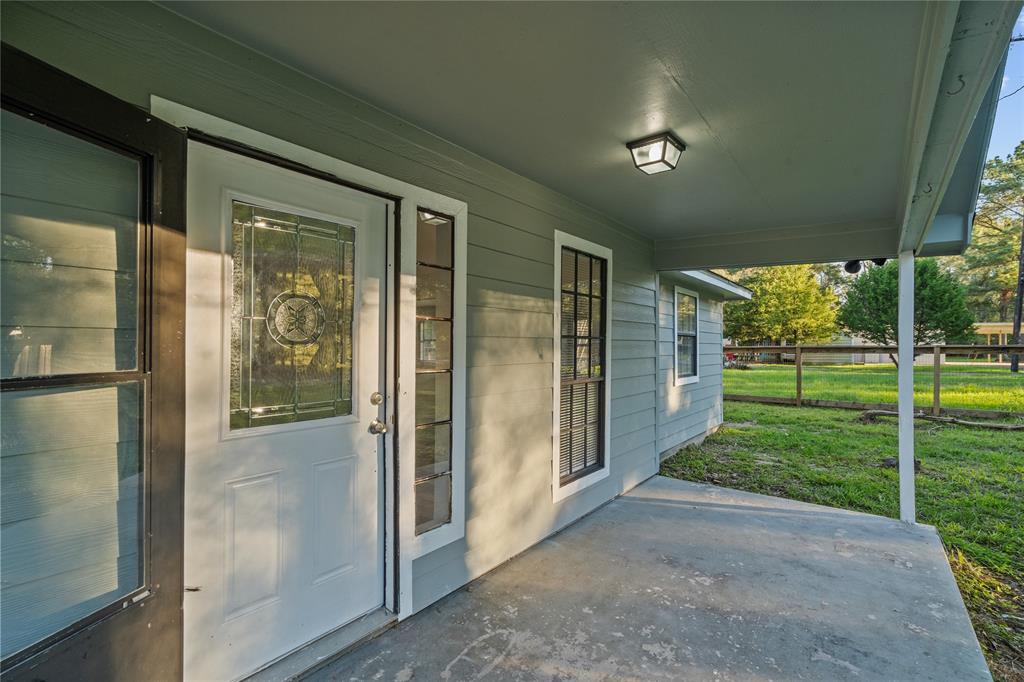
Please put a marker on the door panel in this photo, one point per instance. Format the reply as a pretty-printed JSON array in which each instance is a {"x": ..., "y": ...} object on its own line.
[{"x": 283, "y": 479}]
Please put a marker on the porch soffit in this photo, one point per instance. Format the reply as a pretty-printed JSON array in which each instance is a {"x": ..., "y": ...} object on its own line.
[{"x": 802, "y": 122}]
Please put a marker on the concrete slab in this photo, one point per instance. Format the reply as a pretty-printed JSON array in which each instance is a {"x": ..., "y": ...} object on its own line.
[{"x": 680, "y": 581}]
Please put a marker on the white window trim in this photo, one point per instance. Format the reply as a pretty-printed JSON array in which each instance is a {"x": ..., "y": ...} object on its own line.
[
  {"x": 683, "y": 381},
  {"x": 411, "y": 545},
  {"x": 561, "y": 492}
]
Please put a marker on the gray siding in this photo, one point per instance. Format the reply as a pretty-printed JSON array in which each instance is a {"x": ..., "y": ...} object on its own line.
[
  {"x": 135, "y": 50},
  {"x": 691, "y": 410}
]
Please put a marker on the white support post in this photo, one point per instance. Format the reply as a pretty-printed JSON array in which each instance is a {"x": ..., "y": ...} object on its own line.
[{"x": 905, "y": 356}]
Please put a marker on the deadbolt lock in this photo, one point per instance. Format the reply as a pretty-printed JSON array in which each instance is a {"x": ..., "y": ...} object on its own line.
[{"x": 376, "y": 398}]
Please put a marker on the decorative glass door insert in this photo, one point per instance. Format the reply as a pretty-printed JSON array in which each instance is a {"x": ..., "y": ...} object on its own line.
[{"x": 291, "y": 318}]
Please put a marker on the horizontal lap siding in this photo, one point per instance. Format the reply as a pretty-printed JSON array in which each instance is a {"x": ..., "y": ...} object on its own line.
[
  {"x": 688, "y": 411},
  {"x": 133, "y": 50}
]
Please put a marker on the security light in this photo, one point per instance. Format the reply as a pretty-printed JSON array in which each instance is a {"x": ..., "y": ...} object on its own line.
[{"x": 657, "y": 153}]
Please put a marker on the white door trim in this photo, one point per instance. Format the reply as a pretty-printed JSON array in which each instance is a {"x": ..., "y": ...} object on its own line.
[{"x": 410, "y": 197}]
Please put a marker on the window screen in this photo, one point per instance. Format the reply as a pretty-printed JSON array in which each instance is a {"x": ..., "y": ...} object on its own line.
[
  {"x": 434, "y": 317},
  {"x": 582, "y": 363},
  {"x": 686, "y": 335}
]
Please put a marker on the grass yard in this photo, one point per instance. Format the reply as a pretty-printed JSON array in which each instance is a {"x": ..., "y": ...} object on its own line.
[
  {"x": 971, "y": 488},
  {"x": 968, "y": 386}
]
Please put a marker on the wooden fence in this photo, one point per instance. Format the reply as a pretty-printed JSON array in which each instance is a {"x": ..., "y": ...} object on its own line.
[{"x": 797, "y": 354}]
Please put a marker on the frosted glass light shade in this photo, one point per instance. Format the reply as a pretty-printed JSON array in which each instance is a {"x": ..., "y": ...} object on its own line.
[{"x": 657, "y": 153}]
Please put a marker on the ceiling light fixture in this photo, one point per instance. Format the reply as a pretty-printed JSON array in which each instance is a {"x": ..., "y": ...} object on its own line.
[{"x": 657, "y": 153}]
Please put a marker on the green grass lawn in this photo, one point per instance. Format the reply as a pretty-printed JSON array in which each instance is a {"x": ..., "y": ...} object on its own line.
[
  {"x": 971, "y": 488},
  {"x": 969, "y": 386}
]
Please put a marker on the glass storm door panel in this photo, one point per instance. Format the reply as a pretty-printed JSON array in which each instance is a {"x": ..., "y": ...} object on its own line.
[
  {"x": 72, "y": 451},
  {"x": 283, "y": 531}
]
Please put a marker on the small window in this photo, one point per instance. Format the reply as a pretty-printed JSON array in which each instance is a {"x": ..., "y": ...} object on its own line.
[
  {"x": 686, "y": 306},
  {"x": 434, "y": 319},
  {"x": 583, "y": 301}
]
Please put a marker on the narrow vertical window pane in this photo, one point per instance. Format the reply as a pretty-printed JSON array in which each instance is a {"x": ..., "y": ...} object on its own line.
[
  {"x": 568, "y": 359},
  {"x": 72, "y": 486},
  {"x": 433, "y": 503},
  {"x": 568, "y": 315},
  {"x": 568, "y": 270},
  {"x": 433, "y": 344},
  {"x": 686, "y": 314},
  {"x": 69, "y": 261},
  {"x": 433, "y": 292},
  {"x": 583, "y": 273},
  {"x": 433, "y": 239},
  {"x": 582, "y": 358},
  {"x": 583, "y": 316},
  {"x": 686, "y": 356},
  {"x": 433, "y": 397},
  {"x": 433, "y": 450}
]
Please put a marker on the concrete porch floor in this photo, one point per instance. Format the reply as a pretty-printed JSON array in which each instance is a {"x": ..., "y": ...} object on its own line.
[{"x": 684, "y": 581}]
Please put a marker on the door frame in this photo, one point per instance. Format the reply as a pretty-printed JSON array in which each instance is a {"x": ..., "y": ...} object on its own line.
[
  {"x": 140, "y": 635},
  {"x": 400, "y": 541}
]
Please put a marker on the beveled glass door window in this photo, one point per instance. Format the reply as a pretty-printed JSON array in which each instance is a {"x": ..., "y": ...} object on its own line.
[
  {"x": 293, "y": 290},
  {"x": 73, "y": 459},
  {"x": 434, "y": 317},
  {"x": 582, "y": 368}
]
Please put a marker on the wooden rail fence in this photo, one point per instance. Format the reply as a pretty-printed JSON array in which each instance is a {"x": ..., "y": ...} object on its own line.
[{"x": 936, "y": 351}]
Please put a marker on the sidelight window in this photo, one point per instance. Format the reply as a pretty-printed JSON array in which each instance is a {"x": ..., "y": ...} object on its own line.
[{"x": 435, "y": 269}]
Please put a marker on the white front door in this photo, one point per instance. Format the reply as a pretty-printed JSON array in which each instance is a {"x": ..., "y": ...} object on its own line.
[{"x": 283, "y": 476}]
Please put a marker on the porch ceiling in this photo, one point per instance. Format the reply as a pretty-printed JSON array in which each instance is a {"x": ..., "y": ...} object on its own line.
[{"x": 796, "y": 116}]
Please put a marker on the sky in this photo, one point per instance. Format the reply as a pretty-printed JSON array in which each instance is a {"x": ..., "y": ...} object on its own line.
[{"x": 1009, "y": 126}]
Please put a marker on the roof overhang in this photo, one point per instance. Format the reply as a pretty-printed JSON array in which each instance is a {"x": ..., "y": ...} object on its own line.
[
  {"x": 939, "y": 207},
  {"x": 814, "y": 131},
  {"x": 729, "y": 290}
]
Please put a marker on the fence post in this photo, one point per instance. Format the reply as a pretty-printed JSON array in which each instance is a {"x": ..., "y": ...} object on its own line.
[
  {"x": 936, "y": 380},
  {"x": 799, "y": 376}
]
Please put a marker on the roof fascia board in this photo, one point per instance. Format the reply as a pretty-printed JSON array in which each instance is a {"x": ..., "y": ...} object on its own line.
[
  {"x": 710, "y": 280},
  {"x": 976, "y": 48},
  {"x": 932, "y": 50}
]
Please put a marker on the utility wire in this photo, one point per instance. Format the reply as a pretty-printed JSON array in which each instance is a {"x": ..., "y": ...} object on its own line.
[{"x": 1011, "y": 94}]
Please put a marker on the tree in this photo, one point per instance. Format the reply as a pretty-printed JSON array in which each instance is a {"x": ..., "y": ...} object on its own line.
[
  {"x": 788, "y": 304},
  {"x": 940, "y": 308},
  {"x": 1001, "y": 207},
  {"x": 990, "y": 265}
]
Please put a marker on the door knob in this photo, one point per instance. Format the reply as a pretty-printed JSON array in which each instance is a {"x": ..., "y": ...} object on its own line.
[{"x": 378, "y": 427}]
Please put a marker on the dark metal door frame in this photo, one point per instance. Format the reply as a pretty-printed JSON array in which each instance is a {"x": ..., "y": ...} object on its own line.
[{"x": 141, "y": 636}]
